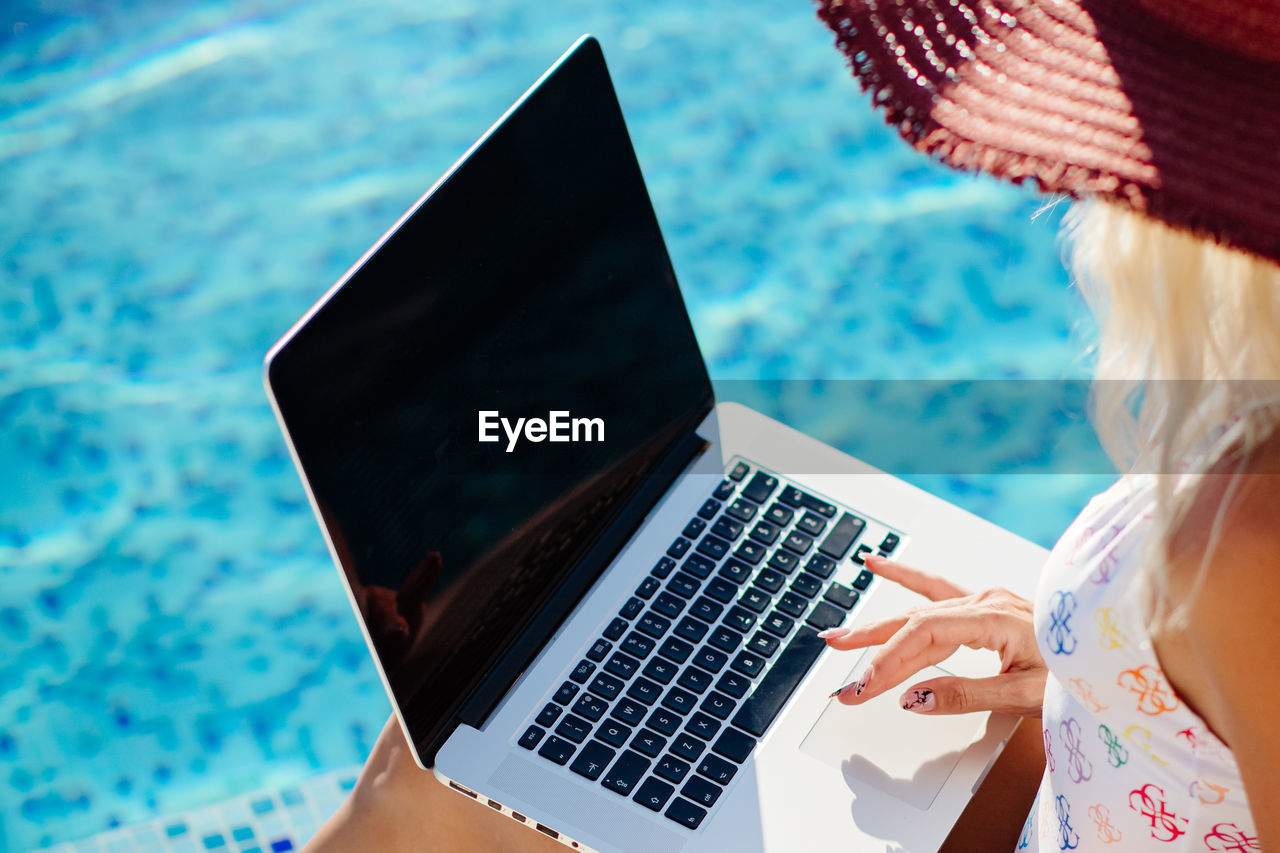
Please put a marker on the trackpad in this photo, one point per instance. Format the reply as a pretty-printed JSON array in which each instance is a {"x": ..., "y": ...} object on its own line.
[{"x": 878, "y": 744}]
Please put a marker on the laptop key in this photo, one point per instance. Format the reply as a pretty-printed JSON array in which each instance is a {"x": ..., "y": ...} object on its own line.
[
  {"x": 755, "y": 599},
  {"x": 798, "y": 542},
  {"x": 703, "y": 726},
  {"x": 598, "y": 650},
  {"x": 660, "y": 670},
  {"x": 770, "y": 581},
  {"x": 663, "y": 568},
  {"x": 679, "y": 548},
  {"x": 621, "y": 665},
  {"x": 709, "y": 509},
  {"x": 662, "y": 720},
  {"x": 685, "y": 586},
  {"x": 713, "y": 546},
  {"x": 582, "y": 671},
  {"x": 694, "y": 679},
  {"x": 699, "y": 566},
  {"x": 806, "y": 584},
  {"x": 549, "y": 714},
  {"x": 825, "y": 615},
  {"x": 671, "y": 768},
  {"x": 688, "y": 747},
  {"x": 694, "y": 528},
  {"x": 726, "y": 638},
  {"x": 654, "y": 793},
  {"x": 811, "y": 524},
  {"x": 531, "y": 736},
  {"x": 736, "y": 571},
  {"x": 626, "y": 772},
  {"x": 765, "y": 533},
  {"x": 796, "y": 499},
  {"x": 644, "y": 690},
  {"x": 721, "y": 590},
  {"x": 763, "y": 644},
  {"x": 653, "y": 624},
  {"x": 648, "y": 587},
  {"x": 757, "y": 713},
  {"x": 616, "y": 629},
  {"x": 676, "y": 650},
  {"x": 748, "y": 664},
  {"x": 590, "y": 707},
  {"x": 780, "y": 515},
  {"x": 718, "y": 705},
  {"x": 701, "y": 791},
  {"x": 592, "y": 760},
  {"x": 650, "y": 743},
  {"x": 841, "y": 596},
  {"x": 606, "y": 685},
  {"x": 717, "y": 769},
  {"x": 761, "y": 486},
  {"x": 706, "y": 609},
  {"x": 739, "y": 619},
  {"x": 863, "y": 580},
  {"x": 630, "y": 712},
  {"x": 889, "y": 542},
  {"x": 557, "y": 750},
  {"x": 820, "y": 565},
  {"x": 566, "y": 693},
  {"x": 740, "y": 470},
  {"x": 778, "y": 624},
  {"x": 574, "y": 728},
  {"x": 860, "y": 555},
  {"x": 733, "y": 684},
  {"x": 613, "y": 733},
  {"x": 638, "y": 644},
  {"x": 685, "y": 813},
  {"x": 784, "y": 561},
  {"x": 752, "y": 552},
  {"x": 743, "y": 511},
  {"x": 846, "y": 530},
  {"x": 727, "y": 528},
  {"x": 631, "y": 609},
  {"x": 712, "y": 660},
  {"x": 723, "y": 491},
  {"x": 792, "y": 605},
  {"x": 680, "y": 701},
  {"x": 668, "y": 604},
  {"x": 692, "y": 629},
  {"x": 734, "y": 745}
]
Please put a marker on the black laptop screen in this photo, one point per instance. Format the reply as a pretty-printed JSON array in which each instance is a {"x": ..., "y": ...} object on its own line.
[{"x": 474, "y": 406}]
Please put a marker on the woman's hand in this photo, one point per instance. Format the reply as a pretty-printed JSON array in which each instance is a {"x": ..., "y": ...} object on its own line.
[{"x": 995, "y": 619}]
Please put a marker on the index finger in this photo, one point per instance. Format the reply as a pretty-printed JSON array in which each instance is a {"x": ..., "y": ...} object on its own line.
[{"x": 932, "y": 587}]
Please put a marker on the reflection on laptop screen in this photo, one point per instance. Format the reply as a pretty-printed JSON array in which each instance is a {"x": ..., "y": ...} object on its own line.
[{"x": 475, "y": 404}]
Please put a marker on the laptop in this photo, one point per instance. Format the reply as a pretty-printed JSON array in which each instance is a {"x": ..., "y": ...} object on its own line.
[{"x": 592, "y": 590}]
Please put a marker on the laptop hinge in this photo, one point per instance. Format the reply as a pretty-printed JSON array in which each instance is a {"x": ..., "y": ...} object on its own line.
[{"x": 557, "y": 608}]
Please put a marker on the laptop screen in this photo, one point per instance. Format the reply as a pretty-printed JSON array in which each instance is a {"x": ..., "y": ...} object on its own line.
[{"x": 476, "y": 403}]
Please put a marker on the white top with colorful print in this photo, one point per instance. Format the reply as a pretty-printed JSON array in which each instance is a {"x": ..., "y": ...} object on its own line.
[{"x": 1128, "y": 765}]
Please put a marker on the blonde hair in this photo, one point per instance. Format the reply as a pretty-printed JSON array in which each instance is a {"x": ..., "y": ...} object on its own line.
[{"x": 1188, "y": 358}]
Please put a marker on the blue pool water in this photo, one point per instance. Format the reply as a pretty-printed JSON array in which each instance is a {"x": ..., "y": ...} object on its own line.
[{"x": 181, "y": 181}]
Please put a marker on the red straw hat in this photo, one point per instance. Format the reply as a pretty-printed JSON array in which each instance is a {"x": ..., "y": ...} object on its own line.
[{"x": 1169, "y": 106}]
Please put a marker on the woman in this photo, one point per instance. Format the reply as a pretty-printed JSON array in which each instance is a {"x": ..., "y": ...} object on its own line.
[{"x": 1146, "y": 658}]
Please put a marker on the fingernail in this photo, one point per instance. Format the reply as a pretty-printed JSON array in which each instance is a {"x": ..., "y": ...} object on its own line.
[
  {"x": 835, "y": 693},
  {"x": 920, "y": 701},
  {"x": 832, "y": 633},
  {"x": 861, "y": 683}
]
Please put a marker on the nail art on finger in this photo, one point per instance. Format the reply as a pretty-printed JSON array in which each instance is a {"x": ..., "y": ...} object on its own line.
[{"x": 921, "y": 701}]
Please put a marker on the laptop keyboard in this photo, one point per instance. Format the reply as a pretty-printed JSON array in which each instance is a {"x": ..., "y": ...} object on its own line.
[{"x": 669, "y": 701}]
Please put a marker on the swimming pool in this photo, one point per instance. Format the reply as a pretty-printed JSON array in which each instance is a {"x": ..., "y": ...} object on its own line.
[{"x": 183, "y": 181}]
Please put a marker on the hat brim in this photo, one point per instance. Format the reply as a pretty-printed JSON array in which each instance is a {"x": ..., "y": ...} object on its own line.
[{"x": 1085, "y": 97}]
